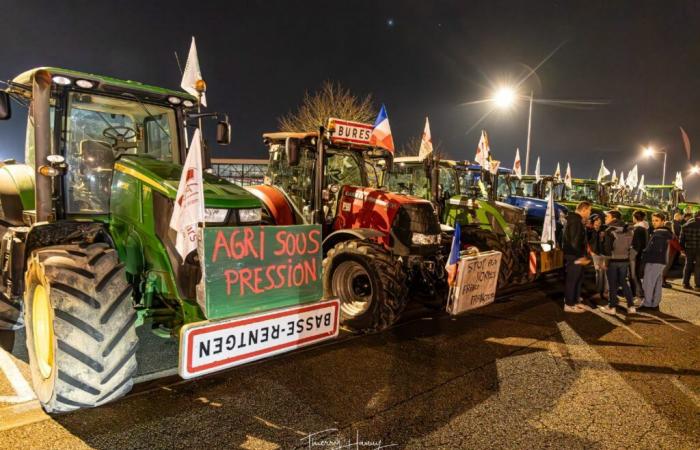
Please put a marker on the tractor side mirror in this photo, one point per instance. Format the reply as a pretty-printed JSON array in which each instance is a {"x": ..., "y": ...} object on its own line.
[
  {"x": 5, "y": 109},
  {"x": 223, "y": 133},
  {"x": 291, "y": 150}
]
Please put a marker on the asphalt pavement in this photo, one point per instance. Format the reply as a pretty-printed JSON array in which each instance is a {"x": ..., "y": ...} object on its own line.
[{"x": 515, "y": 374}]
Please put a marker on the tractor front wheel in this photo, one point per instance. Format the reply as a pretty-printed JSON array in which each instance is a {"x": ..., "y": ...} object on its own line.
[
  {"x": 488, "y": 240},
  {"x": 369, "y": 282},
  {"x": 80, "y": 320}
]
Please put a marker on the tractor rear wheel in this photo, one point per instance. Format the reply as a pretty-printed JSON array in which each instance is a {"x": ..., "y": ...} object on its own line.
[
  {"x": 488, "y": 240},
  {"x": 10, "y": 313},
  {"x": 80, "y": 320},
  {"x": 369, "y": 282}
]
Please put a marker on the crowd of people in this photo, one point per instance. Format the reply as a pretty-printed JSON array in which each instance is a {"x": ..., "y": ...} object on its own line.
[{"x": 630, "y": 259}]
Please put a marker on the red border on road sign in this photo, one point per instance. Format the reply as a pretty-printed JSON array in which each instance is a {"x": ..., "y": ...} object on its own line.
[{"x": 233, "y": 324}]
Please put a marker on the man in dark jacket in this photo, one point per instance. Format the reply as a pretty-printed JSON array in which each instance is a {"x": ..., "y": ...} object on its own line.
[
  {"x": 595, "y": 241},
  {"x": 690, "y": 247},
  {"x": 654, "y": 258},
  {"x": 617, "y": 244},
  {"x": 639, "y": 243},
  {"x": 575, "y": 248}
]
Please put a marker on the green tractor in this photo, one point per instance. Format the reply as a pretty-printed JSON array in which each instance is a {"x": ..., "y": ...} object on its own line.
[
  {"x": 87, "y": 252},
  {"x": 486, "y": 224}
]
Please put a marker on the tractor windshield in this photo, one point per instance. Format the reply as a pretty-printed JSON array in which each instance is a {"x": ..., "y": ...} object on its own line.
[
  {"x": 99, "y": 129},
  {"x": 583, "y": 191},
  {"x": 409, "y": 179}
]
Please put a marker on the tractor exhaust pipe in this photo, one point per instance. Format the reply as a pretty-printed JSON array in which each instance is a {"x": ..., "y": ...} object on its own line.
[
  {"x": 320, "y": 170},
  {"x": 41, "y": 95}
]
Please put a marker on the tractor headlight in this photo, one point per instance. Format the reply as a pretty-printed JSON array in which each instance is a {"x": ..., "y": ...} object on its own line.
[
  {"x": 249, "y": 215},
  {"x": 215, "y": 215},
  {"x": 425, "y": 239}
]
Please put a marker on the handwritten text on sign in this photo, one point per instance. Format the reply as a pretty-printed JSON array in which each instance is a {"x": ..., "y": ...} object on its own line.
[
  {"x": 477, "y": 278},
  {"x": 252, "y": 269}
]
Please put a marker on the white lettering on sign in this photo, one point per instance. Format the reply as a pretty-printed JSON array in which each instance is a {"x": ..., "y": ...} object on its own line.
[
  {"x": 477, "y": 278},
  {"x": 214, "y": 346},
  {"x": 349, "y": 132}
]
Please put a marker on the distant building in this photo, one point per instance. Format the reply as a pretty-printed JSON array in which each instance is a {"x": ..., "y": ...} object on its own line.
[{"x": 244, "y": 172}]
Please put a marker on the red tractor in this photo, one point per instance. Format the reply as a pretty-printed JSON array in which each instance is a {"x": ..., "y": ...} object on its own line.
[{"x": 377, "y": 244}]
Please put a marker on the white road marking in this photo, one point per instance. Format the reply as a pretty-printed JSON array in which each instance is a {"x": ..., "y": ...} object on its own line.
[
  {"x": 695, "y": 398},
  {"x": 19, "y": 384}
]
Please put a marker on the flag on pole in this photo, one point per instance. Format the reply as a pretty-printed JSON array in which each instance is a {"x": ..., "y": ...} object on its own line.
[
  {"x": 614, "y": 178},
  {"x": 192, "y": 74},
  {"x": 603, "y": 172},
  {"x": 483, "y": 150},
  {"x": 550, "y": 225},
  {"x": 453, "y": 260},
  {"x": 632, "y": 178},
  {"x": 538, "y": 177},
  {"x": 188, "y": 209},
  {"x": 567, "y": 176},
  {"x": 686, "y": 142},
  {"x": 493, "y": 166},
  {"x": 381, "y": 133},
  {"x": 621, "y": 183},
  {"x": 517, "y": 166},
  {"x": 641, "y": 186},
  {"x": 557, "y": 173},
  {"x": 678, "y": 182},
  {"x": 426, "y": 142}
]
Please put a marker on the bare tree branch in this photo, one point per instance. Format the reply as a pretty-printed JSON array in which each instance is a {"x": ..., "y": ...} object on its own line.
[{"x": 330, "y": 100}]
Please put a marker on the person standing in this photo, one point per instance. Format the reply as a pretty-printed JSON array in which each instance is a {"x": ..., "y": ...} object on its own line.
[
  {"x": 617, "y": 244},
  {"x": 690, "y": 247},
  {"x": 640, "y": 236},
  {"x": 575, "y": 246},
  {"x": 654, "y": 257},
  {"x": 595, "y": 242}
]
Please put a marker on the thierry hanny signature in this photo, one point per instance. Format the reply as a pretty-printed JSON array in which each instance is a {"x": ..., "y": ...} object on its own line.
[{"x": 325, "y": 439}]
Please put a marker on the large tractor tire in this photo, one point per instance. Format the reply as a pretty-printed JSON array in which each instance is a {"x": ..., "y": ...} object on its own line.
[
  {"x": 10, "y": 313},
  {"x": 488, "y": 240},
  {"x": 369, "y": 282},
  {"x": 80, "y": 320}
]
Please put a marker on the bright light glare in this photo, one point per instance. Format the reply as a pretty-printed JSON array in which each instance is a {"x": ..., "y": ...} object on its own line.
[
  {"x": 504, "y": 97},
  {"x": 648, "y": 151},
  {"x": 695, "y": 169}
]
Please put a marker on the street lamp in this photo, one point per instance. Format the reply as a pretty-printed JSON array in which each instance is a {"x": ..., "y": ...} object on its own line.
[
  {"x": 504, "y": 98},
  {"x": 649, "y": 152},
  {"x": 695, "y": 169}
]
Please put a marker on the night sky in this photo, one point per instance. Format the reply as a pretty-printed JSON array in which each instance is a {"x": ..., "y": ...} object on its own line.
[{"x": 419, "y": 58}]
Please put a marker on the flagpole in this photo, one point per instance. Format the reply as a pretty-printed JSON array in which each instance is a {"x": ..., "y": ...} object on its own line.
[
  {"x": 201, "y": 87},
  {"x": 529, "y": 129}
]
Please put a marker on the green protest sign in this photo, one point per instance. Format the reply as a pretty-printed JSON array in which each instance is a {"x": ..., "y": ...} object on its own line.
[{"x": 258, "y": 268}]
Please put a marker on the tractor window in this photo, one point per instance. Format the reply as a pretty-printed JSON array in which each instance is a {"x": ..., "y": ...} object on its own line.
[
  {"x": 99, "y": 130},
  {"x": 502, "y": 186},
  {"x": 409, "y": 179},
  {"x": 448, "y": 183},
  {"x": 344, "y": 168},
  {"x": 295, "y": 181}
]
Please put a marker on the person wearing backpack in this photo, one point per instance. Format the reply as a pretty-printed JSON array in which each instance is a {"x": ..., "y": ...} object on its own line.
[
  {"x": 617, "y": 243},
  {"x": 654, "y": 257}
]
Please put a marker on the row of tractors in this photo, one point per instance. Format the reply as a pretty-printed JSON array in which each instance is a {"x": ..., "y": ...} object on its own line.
[{"x": 88, "y": 255}]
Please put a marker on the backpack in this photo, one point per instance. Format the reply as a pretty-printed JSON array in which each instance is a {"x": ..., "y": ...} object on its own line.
[{"x": 622, "y": 243}]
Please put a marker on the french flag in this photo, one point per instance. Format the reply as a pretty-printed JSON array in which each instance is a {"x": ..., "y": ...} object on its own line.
[
  {"x": 381, "y": 134},
  {"x": 453, "y": 260}
]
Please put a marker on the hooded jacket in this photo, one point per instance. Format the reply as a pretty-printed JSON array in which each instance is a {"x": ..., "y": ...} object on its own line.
[
  {"x": 641, "y": 237},
  {"x": 574, "y": 242},
  {"x": 616, "y": 226},
  {"x": 690, "y": 235},
  {"x": 656, "y": 251}
]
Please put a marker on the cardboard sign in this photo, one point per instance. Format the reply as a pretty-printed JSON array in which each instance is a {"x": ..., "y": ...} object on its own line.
[
  {"x": 348, "y": 132},
  {"x": 477, "y": 277},
  {"x": 259, "y": 268},
  {"x": 212, "y": 346}
]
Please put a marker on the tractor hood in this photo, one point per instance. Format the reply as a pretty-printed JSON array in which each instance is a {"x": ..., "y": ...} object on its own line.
[
  {"x": 536, "y": 207},
  {"x": 164, "y": 177},
  {"x": 390, "y": 200}
]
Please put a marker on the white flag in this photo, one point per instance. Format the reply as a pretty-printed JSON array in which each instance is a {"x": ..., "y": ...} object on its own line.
[
  {"x": 426, "y": 142},
  {"x": 678, "y": 182},
  {"x": 622, "y": 183},
  {"x": 517, "y": 166},
  {"x": 493, "y": 166},
  {"x": 557, "y": 173},
  {"x": 567, "y": 176},
  {"x": 641, "y": 186},
  {"x": 537, "y": 170},
  {"x": 189, "y": 202},
  {"x": 192, "y": 74},
  {"x": 550, "y": 225},
  {"x": 603, "y": 172},
  {"x": 482, "y": 151},
  {"x": 614, "y": 178},
  {"x": 632, "y": 178}
]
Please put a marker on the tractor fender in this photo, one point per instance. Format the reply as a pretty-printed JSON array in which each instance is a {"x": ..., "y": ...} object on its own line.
[
  {"x": 43, "y": 234},
  {"x": 275, "y": 202},
  {"x": 346, "y": 235}
]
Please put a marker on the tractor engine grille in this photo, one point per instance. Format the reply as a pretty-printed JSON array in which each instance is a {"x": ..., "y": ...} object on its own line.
[{"x": 419, "y": 219}]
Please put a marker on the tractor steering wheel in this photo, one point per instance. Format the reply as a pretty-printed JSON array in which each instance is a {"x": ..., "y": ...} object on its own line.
[
  {"x": 120, "y": 136},
  {"x": 334, "y": 176}
]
